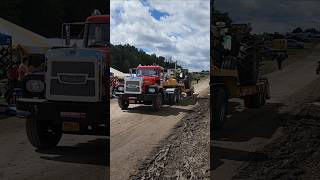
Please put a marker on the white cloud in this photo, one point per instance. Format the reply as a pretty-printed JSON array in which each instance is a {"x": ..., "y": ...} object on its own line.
[{"x": 183, "y": 34}]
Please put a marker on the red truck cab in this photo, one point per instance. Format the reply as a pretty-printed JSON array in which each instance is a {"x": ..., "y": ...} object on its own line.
[
  {"x": 152, "y": 75},
  {"x": 143, "y": 87}
]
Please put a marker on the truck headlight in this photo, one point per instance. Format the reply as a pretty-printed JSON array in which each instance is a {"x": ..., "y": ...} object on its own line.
[
  {"x": 120, "y": 88},
  {"x": 35, "y": 86},
  {"x": 151, "y": 90}
]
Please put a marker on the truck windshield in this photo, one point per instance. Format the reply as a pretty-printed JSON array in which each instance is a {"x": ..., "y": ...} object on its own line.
[
  {"x": 147, "y": 72},
  {"x": 97, "y": 34}
]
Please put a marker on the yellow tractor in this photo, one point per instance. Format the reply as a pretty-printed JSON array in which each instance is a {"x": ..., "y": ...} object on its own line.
[{"x": 176, "y": 82}]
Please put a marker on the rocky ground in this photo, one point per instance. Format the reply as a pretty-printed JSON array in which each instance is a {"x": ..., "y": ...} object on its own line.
[
  {"x": 184, "y": 154},
  {"x": 294, "y": 155}
]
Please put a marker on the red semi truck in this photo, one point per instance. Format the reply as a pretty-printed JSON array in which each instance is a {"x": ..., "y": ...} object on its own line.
[
  {"x": 72, "y": 94},
  {"x": 145, "y": 87},
  {"x": 149, "y": 86}
]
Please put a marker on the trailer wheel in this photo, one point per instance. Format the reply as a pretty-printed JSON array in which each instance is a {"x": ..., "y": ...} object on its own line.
[
  {"x": 123, "y": 104},
  {"x": 253, "y": 101},
  {"x": 42, "y": 134},
  {"x": 172, "y": 98},
  {"x": 157, "y": 102},
  {"x": 178, "y": 96},
  {"x": 220, "y": 104}
]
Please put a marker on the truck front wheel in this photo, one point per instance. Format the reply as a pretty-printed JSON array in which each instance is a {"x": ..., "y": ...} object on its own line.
[
  {"x": 157, "y": 102},
  {"x": 42, "y": 134},
  {"x": 123, "y": 104}
]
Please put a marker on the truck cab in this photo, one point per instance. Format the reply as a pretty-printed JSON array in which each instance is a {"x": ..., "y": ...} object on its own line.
[
  {"x": 72, "y": 95},
  {"x": 145, "y": 87}
]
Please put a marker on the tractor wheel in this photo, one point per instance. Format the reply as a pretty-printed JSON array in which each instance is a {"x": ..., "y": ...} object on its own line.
[
  {"x": 157, "y": 102},
  {"x": 229, "y": 63},
  {"x": 220, "y": 106},
  {"x": 248, "y": 65},
  {"x": 42, "y": 134},
  {"x": 253, "y": 101},
  {"x": 123, "y": 104}
]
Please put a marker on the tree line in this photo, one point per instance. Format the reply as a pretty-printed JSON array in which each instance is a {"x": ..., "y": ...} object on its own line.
[{"x": 124, "y": 57}]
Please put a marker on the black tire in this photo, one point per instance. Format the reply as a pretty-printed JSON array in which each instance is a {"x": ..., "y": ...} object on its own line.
[
  {"x": 220, "y": 107},
  {"x": 42, "y": 134},
  {"x": 172, "y": 99},
  {"x": 263, "y": 98},
  {"x": 178, "y": 97},
  {"x": 123, "y": 104},
  {"x": 229, "y": 63},
  {"x": 248, "y": 65},
  {"x": 252, "y": 101},
  {"x": 157, "y": 103}
]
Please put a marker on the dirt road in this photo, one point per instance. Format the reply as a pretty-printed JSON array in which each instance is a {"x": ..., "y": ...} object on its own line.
[
  {"x": 249, "y": 130},
  {"x": 134, "y": 133},
  {"x": 76, "y": 157}
]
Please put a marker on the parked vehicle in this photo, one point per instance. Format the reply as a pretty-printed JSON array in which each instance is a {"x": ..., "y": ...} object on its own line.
[
  {"x": 235, "y": 71},
  {"x": 294, "y": 44}
]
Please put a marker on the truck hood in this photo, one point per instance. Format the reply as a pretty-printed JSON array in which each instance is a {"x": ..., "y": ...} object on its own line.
[{"x": 149, "y": 80}]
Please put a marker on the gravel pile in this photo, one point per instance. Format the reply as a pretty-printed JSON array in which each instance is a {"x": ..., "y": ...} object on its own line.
[
  {"x": 184, "y": 154},
  {"x": 294, "y": 155}
]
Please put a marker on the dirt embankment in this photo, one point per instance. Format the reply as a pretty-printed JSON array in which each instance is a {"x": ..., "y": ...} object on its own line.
[
  {"x": 184, "y": 154},
  {"x": 296, "y": 153}
]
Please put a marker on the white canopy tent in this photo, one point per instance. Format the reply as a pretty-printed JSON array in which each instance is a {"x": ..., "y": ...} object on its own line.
[
  {"x": 117, "y": 73},
  {"x": 31, "y": 42}
]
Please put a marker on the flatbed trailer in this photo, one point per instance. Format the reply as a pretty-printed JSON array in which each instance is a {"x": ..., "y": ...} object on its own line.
[{"x": 224, "y": 85}]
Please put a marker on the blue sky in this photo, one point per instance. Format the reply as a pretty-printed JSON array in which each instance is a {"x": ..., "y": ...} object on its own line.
[
  {"x": 158, "y": 14},
  {"x": 174, "y": 29}
]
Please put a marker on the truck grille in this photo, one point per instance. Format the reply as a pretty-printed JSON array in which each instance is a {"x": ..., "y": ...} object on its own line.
[
  {"x": 72, "y": 79},
  {"x": 75, "y": 79},
  {"x": 75, "y": 75},
  {"x": 132, "y": 87},
  {"x": 73, "y": 68}
]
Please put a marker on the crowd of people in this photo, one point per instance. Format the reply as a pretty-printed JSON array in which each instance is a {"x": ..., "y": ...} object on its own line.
[
  {"x": 16, "y": 73},
  {"x": 114, "y": 82}
]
